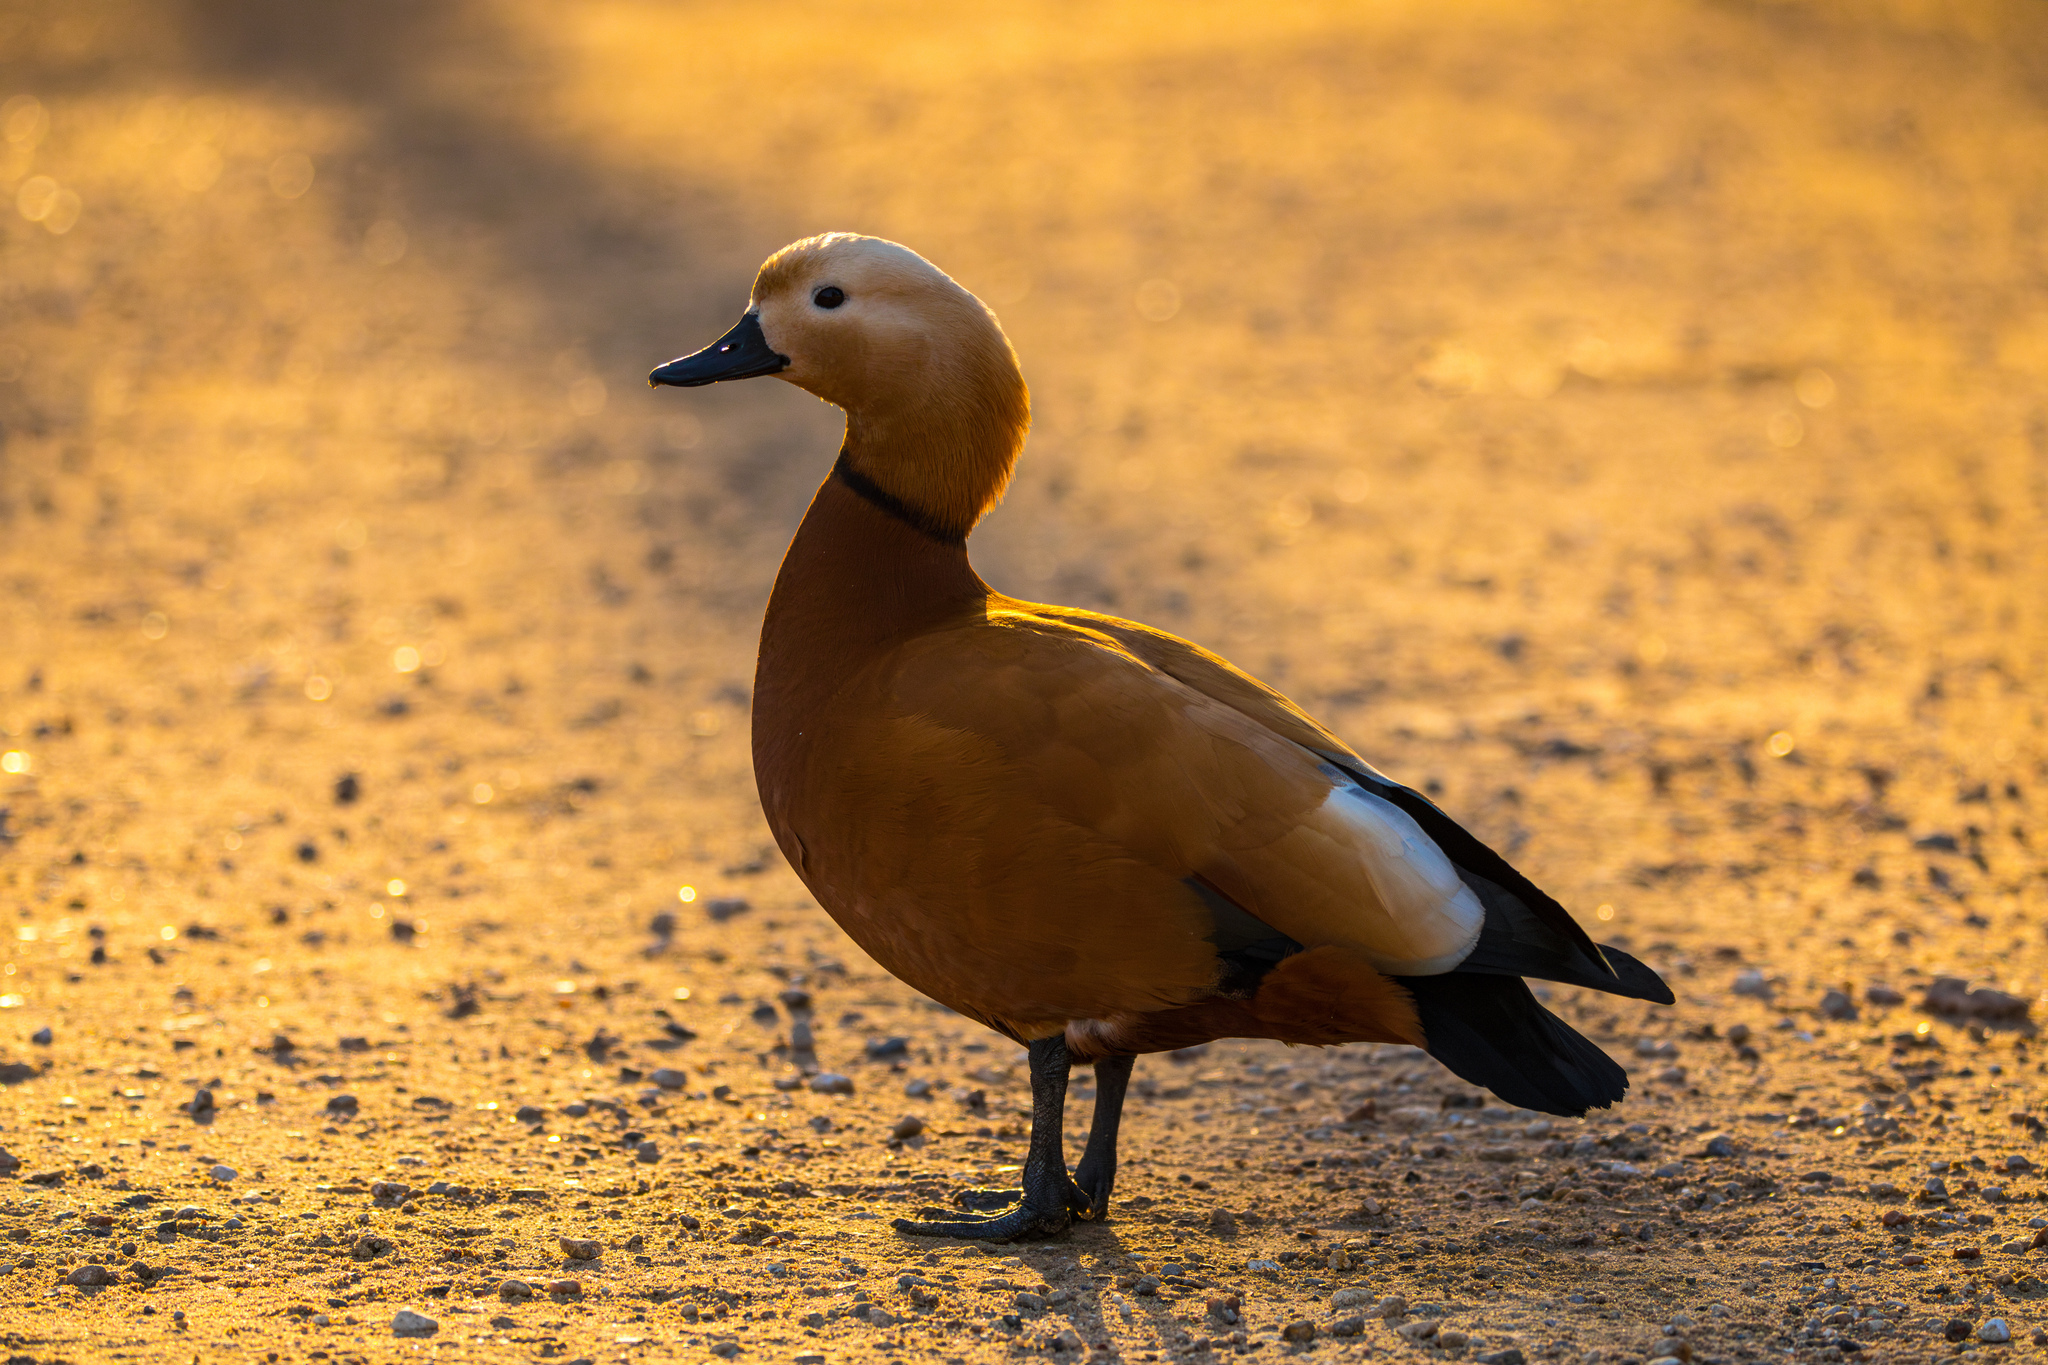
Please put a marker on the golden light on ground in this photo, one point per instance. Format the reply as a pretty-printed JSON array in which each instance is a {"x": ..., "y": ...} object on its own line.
[{"x": 1624, "y": 423}]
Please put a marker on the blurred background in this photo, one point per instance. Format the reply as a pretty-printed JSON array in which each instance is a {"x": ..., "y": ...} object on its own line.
[{"x": 1627, "y": 420}]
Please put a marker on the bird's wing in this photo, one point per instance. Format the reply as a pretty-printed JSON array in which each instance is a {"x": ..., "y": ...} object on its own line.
[
  {"x": 1077, "y": 723},
  {"x": 1528, "y": 932}
]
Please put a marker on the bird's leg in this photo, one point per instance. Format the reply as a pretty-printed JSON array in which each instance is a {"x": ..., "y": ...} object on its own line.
[
  {"x": 1050, "y": 1196},
  {"x": 1096, "y": 1175}
]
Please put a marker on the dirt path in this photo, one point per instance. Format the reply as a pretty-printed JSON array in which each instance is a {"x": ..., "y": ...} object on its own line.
[{"x": 1627, "y": 422}]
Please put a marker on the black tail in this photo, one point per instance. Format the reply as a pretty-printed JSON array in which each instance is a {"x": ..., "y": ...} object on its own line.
[{"x": 1490, "y": 1031}]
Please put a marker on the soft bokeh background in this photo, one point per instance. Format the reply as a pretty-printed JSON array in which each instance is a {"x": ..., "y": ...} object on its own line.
[{"x": 1627, "y": 419}]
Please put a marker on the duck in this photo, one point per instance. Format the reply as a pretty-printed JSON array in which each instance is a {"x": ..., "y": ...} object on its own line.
[{"x": 1094, "y": 837}]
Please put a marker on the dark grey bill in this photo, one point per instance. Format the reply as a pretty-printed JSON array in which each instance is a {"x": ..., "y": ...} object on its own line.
[{"x": 741, "y": 353}]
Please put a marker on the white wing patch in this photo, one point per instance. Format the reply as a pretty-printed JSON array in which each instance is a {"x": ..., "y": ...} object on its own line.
[{"x": 1427, "y": 920}]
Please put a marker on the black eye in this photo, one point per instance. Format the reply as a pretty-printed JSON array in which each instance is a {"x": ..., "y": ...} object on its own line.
[{"x": 831, "y": 296}]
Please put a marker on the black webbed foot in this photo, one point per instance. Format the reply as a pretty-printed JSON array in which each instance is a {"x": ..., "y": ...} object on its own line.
[
  {"x": 1024, "y": 1221},
  {"x": 983, "y": 1199}
]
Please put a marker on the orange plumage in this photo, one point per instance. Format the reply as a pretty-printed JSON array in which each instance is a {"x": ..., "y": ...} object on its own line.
[{"x": 1090, "y": 835}]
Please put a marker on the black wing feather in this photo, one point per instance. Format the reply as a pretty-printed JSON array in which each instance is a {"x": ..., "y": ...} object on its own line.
[{"x": 1514, "y": 942}]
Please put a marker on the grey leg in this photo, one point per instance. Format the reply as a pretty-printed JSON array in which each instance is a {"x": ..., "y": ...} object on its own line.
[
  {"x": 1050, "y": 1196},
  {"x": 1096, "y": 1175}
]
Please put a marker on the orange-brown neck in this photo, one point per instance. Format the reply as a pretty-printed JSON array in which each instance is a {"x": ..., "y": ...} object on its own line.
[
  {"x": 860, "y": 577},
  {"x": 943, "y": 448}
]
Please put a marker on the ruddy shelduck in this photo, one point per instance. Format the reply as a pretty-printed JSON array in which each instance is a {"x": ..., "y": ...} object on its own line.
[{"x": 1092, "y": 836}]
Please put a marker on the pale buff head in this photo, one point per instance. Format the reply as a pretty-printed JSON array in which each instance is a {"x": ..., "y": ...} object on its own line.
[{"x": 936, "y": 408}]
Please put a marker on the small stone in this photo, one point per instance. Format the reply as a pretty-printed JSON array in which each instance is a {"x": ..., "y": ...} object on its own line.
[
  {"x": 918, "y": 1089},
  {"x": 1352, "y": 1326},
  {"x": 369, "y": 1248},
  {"x": 668, "y": 1078},
  {"x": 832, "y": 1083},
  {"x": 91, "y": 1276},
  {"x": 389, "y": 1191},
  {"x": 1392, "y": 1306},
  {"x": 647, "y": 1153},
  {"x": 565, "y": 1289},
  {"x": 406, "y": 1323},
  {"x": 1952, "y": 997},
  {"x": 1751, "y": 982},
  {"x": 1673, "y": 1348},
  {"x": 1223, "y": 1222},
  {"x": 1147, "y": 1285},
  {"x": 2018, "y": 1163},
  {"x": 1995, "y": 1331},
  {"x": 1301, "y": 1329},
  {"x": 580, "y": 1248},
  {"x": 724, "y": 1350},
  {"x": 723, "y": 908},
  {"x": 1720, "y": 1145},
  {"x": 1957, "y": 1329},
  {"x": 1837, "y": 1005},
  {"x": 515, "y": 1291},
  {"x": 801, "y": 1036},
  {"x": 1260, "y": 1265},
  {"x": 909, "y": 1126},
  {"x": 343, "y": 1104},
  {"x": 881, "y": 1317},
  {"x": 1029, "y": 1302},
  {"x": 1353, "y": 1298},
  {"x": 531, "y": 1113},
  {"x": 222, "y": 1172},
  {"x": 43, "y": 1036},
  {"x": 1882, "y": 996},
  {"x": 1510, "y": 1356},
  {"x": 201, "y": 1102},
  {"x": 1451, "y": 1339},
  {"x": 1541, "y": 1128},
  {"x": 1066, "y": 1339}
]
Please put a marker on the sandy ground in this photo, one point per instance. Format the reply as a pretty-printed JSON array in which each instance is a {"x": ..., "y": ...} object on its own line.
[{"x": 1626, "y": 421}]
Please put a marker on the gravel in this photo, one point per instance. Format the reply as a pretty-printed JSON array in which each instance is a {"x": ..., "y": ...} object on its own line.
[{"x": 407, "y": 1323}]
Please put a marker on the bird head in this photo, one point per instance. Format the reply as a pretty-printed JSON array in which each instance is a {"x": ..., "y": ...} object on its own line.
[{"x": 936, "y": 405}]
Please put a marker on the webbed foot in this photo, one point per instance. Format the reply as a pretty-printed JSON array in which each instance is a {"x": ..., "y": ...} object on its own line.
[{"x": 1019, "y": 1223}]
